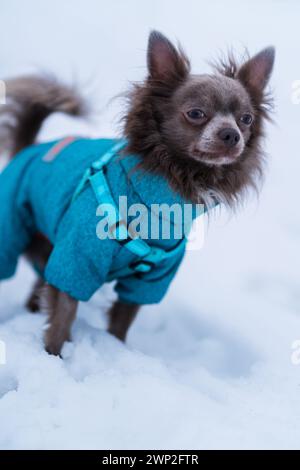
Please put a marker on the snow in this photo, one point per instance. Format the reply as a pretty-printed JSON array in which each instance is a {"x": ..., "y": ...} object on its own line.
[{"x": 210, "y": 367}]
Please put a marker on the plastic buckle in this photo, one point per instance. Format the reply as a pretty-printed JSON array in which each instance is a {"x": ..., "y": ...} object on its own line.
[{"x": 142, "y": 266}]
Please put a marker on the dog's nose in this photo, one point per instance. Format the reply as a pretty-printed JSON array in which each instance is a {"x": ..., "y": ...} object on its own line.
[{"x": 229, "y": 136}]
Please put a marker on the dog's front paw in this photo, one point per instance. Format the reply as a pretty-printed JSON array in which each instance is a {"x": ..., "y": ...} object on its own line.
[
  {"x": 54, "y": 349},
  {"x": 54, "y": 343},
  {"x": 118, "y": 333}
]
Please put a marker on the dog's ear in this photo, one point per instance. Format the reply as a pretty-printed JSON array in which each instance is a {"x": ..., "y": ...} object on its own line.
[
  {"x": 165, "y": 62},
  {"x": 255, "y": 73}
]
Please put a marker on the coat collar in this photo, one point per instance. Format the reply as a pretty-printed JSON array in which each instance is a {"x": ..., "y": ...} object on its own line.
[
  {"x": 151, "y": 188},
  {"x": 154, "y": 189}
]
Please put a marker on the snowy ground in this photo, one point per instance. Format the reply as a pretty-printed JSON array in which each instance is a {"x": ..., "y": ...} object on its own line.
[{"x": 211, "y": 366}]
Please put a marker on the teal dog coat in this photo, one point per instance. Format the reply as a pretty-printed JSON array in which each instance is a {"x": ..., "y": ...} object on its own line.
[{"x": 37, "y": 196}]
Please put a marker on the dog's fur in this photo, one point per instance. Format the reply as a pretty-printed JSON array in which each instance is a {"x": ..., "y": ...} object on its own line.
[
  {"x": 30, "y": 100},
  {"x": 157, "y": 107},
  {"x": 194, "y": 130}
]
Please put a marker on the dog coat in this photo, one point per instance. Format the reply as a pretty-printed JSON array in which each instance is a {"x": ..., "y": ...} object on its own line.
[{"x": 36, "y": 192}]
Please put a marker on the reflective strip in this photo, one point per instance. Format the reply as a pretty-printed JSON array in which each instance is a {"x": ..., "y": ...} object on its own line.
[{"x": 57, "y": 148}]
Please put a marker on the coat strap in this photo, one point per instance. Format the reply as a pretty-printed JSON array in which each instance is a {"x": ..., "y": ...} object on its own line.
[{"x": 147, "y": 256}]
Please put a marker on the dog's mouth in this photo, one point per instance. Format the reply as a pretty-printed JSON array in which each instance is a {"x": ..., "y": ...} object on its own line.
[{"x": 215, "y": 158}]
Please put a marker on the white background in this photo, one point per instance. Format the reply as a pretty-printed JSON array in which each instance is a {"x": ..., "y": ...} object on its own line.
[{"x": 211, "y": 366}]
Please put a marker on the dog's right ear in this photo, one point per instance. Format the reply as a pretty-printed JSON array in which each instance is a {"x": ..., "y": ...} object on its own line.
[{"x": 165, "y": 62}]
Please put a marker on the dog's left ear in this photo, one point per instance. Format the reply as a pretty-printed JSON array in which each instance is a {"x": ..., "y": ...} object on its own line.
[
  {"x": 165, "y": 62},
  {"x": 255, "y": 73}
]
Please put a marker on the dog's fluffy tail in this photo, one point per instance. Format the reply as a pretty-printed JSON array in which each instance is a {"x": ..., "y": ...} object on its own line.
[{"x": 29, "y": 101}]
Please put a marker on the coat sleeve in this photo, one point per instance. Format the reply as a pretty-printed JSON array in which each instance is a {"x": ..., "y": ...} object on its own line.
[
  {"x": 80, "y": 261},
  {"x": 148, "y": 288}
]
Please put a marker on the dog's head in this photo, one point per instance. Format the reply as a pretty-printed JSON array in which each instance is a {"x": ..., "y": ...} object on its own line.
[{"x": 204, "y": 127}]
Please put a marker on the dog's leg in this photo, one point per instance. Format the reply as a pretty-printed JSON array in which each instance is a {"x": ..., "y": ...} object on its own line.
[
  {"x": 37, "y": 253},
  {"x": 121, "y": 317},
  {"x": 33, "y": 301},
  {"x": 62, "y": 312}
]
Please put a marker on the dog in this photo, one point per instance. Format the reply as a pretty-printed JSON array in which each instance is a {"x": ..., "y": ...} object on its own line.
[{"x": 196, "y": 137}]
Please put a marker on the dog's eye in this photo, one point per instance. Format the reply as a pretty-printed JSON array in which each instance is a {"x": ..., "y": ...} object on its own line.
[
  {"x": 246, "y": 119},
  {"x": 196, "y": 114}
]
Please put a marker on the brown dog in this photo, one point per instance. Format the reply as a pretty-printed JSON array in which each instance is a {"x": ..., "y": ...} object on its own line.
[{"x": 202, "y": 133}]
